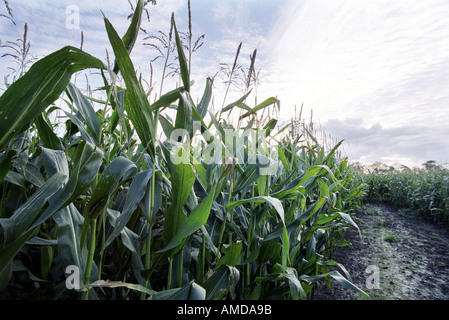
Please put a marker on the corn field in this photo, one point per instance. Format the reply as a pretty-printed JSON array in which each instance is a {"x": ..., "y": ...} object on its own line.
[
  {"x": 152, "y": 200},
  {"x": 426, "y": 192}
]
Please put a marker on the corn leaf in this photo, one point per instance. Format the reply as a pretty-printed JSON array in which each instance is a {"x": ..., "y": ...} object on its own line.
[
  {"x": 135, "y": 195},
  {"x": 232, "y": 254},
  {"x": 223, "y": 280},
  {"x": 276, "y": 203},
  {"x": 87, "y": 160},
  {"x": 190, "y": 291},
  {"x": 238, "y": 102},
  {"x": 13, "y": 229},
  {"x": 129, "y": 39},
  {"x": 192, "y": 223},
  {"x": 184, "y": 115},
  {"x": 185, "y": 72},
  {"x": 70, "y": 223},
  {"x": 47, "y": 135},
  {"x": 119, "y": 284},
  {"x": 31, "y": 94},
  {"x": 182, "y": 179},
  {"x": 260, "y": 106},
  {"x": 115, "y": 173},
  {"x": 205, "y": 100},
  {"x": 136, "y": 102},
  {"x": 86, "y": 111}
]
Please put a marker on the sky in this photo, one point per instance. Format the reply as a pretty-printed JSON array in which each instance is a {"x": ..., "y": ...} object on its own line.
[{"x": 374, "y": 73}]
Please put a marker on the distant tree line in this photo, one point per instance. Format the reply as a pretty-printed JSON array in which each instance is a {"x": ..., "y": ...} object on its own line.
[{"x": 383, "y": 168}]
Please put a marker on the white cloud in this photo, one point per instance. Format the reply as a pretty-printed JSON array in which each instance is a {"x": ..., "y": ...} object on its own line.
[
  {"x": 410, "y": 145},
  {"x": 333, "y": 52}
]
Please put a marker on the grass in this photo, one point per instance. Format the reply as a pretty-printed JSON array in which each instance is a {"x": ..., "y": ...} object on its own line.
[
  {"x": 371, "y": 210},
  {"x": 390, "y": 238},
  {"x": 141, "y": 215}
]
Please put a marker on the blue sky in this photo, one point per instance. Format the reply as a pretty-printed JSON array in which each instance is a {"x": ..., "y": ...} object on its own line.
[{"x": 375, "y": 73}]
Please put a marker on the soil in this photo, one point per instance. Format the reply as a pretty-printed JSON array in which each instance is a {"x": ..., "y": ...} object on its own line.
[{"x": 399, "y": 257}]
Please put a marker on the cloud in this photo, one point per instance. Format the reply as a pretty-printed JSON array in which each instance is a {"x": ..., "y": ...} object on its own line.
[
  {"x": 329, "y": 53},
  {"x": 375, "y": 73},
  {"x": 408, "y": 144}
]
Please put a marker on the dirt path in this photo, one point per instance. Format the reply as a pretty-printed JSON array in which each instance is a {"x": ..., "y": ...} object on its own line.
[{"x": 408, "y": 256}]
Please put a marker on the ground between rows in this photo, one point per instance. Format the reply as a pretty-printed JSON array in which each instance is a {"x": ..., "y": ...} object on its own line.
[{"x": 410, "y": 254}]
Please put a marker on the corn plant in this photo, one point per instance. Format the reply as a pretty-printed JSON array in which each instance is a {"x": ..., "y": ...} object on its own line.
[
  {"x": 424, "y": 191},
  {"x": 189, "y": 215}
]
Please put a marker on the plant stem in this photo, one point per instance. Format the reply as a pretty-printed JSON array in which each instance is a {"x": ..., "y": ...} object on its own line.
[
  {"x": 150, "y": 227},
  {"x": 90, "y": 258},
  {"x": 170, "y": 268},
  {"x": 226, "y": 215},
  {"x": 180, "y": 268},
  {"x": 203, "y": 261},
  {"x": 147, "y": 259}
]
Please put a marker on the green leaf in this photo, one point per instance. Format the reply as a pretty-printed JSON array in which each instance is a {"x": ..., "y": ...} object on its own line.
[
  {"x": 111, "y": 178},
  {"x": 248, "y": 176},
  {"x": 131, "y": 241},
  {"x": 193, "y": 222},
  {"x": 87, "y": 161},
  {"x": 54, "y": 161},
  {"x": 130, "y": 36},
  {"x": 5, "y": 163},
  {"x": 44, "y": 82},
  {"x": 311, "y": 248},
  {"x": 261, "y": 106},
  {"x": 184, "y": 115},
  {"x": 349, "y": 220},
  {"x": 232, "y": 254},
  {"x": 145, "y": 204},
  {"x": 136, "y": 101},
  {"x": 205, "y": 100},
  {"x": 185, "y": 76},
  {"x": 167, "y": 127},
  {"x": 283, "y": 159},
  {"x": 237, "y": 103},
  {"x": 135, "y": 195},
  {"x": 346, "y": 283},
  {"x": 46, "y": 134},
  {"x": 190, "y": 291},
  {"x": 182, "y": 179},
  {"x": 223, "y": 280},
  {"x": 296, "y": 288},
  {"x": 14, "y": 229},
  {"x": 9, "y": 252},
  {"x": 292, "y": 226},
  {"x": 270, "y": 126},
  {"x": 70, "y": 223},
  {"x": 120, "y": 284},
  {"x": 78, "y": 121},
  {"x": 168, "y": 98},
  {"x": 27, "y": 213},
  {"x": 285, "y": 246},
  {"x": 276, "y": 203},
  {"x": 86, "y": 111}
]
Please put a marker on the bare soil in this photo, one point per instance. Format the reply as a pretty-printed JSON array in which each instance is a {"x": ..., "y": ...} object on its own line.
[{"x": 410, "y": 254}]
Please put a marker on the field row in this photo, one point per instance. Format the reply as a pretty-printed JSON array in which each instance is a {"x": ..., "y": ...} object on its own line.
[{"x": 425, "y": 192}]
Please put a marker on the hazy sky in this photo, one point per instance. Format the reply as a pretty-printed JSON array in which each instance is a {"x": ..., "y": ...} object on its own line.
[{"x": 375, "y": 73}]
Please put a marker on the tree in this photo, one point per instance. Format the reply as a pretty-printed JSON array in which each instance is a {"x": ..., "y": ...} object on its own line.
[{"x": 431, "y": 165}]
